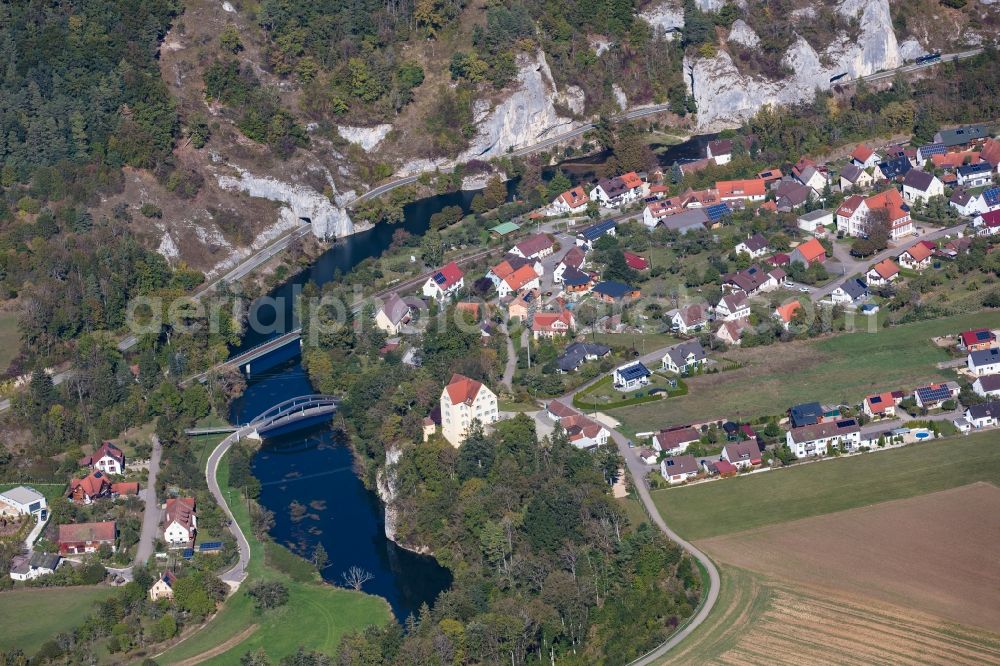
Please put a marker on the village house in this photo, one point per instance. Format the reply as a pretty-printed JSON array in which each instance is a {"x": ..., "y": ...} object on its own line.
[
  {"x": 920, "y": 186},
  {"x": 852, "y": 290},
  {"x": 444, "y": 283},
  {"x": 108, "y": 459},
  {"x": 392, "y": 315},
  {"x": 630, "y": 376},
  {"x": 984, "y": 362},
  {"x": 595, "y": 231},
  {"x": 523, "y": 307},
  {"x": 987, "y": 386},
  {"x": 770, "y": 175},
  {"x": 754, "y": 280},
  {"x": 180, "y": 524},
  {"x": 732, "y": 306},
  {"x": 953, "y": 160},
  {"x": 966, "y": 203},
  {"x": 675, "y": 441},
  {"x": 985, "y": 415},
  {"x": 635, "y": 261},
  {"x": 552, "y": 324},
  {"x": 882, "y": 405},
  {"x": 611, "y": 291},
  {"x": 720, "y": 150},
  {"x": 522, "y": 279},
  {"x": 573, "y": 200},
  {"x": 976, "y": 339},
  {"x": 815, "y": 221},
  {"x": 856, "y": 214},
  {"x": 34, "y": 565},
  {"x": 882, "y": 273},
  {"x": 163, "y": 588},
  {"x": 786, "y": 313},
  {"x": 689, "y": 220},
  {"x": 991, "y": 152},
  {"x": 679, "y": 469},
  {"x": 731, "y": 332},
  {"x": 509, "y": 265},
  {"x": 82, "y": 538},
  {"x": 961, "y": 136},
  {"x": 974, "y": 175},
  {"x": 808, "y": 252},
  {"x": 536, "y": 246},
  {"x": 816, "y": 439},
  {"x": 988, "y": 224},
  {"x": 918, "y": 256},
  {"x": 656, "y": 211},
  {"x": 558, "y": 410},
  {"x": 928, "y": 151},
  {"x": 741, "y": 190},
  {"x": 23, "y": 501},
  {"x": 892, "y": 169},
  {"x": 689, "y": 319},
  {"x": 935, "y": 395},
  {"x": 864, "y": 157},
  {"x": 742, "y": 455},
  {"x": 573, "y": 258},
  {"x": 685, "y": 357},
  {"x": 463, "y": 401},
  {"x": 577, "y": 353},
  {"x": 577, "y": 282},
  {"x": 792, "y": 195},
  {"x": 813, "y": 177},
  {"x": 583, "y": 432},
  {"x": 853, "y": 176},
  {"x": 92, "y": 487},
  {"x": 755, "y": 246},
  {"x": 805, "y": 414}
]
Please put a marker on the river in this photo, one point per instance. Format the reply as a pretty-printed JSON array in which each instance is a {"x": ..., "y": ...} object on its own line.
[{"x": 313, "y": 468}]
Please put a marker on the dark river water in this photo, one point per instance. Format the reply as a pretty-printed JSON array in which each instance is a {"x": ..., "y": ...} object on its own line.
[{"x": 314, "y": 467}]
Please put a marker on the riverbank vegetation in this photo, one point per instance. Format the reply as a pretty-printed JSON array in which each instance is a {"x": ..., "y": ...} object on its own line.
[{"x": 543, "y": 562}]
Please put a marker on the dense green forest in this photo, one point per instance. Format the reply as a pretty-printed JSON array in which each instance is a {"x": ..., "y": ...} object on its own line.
[{"x": 545, "y": 563}]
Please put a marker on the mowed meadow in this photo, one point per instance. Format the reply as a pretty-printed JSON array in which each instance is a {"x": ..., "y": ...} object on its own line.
[{"x": 836, "y": 369}]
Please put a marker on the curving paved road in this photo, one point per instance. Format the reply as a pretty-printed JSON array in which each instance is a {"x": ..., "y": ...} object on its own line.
[{"x": 238, "y": 573}]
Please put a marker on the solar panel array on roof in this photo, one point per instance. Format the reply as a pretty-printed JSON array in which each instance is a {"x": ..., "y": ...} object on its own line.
[
  {"x": 440, "y": 278},
  {"x": 992, "y": 196},
  {"x": 633, "y": 372},
  {"x": 932, "y": 149},
  {"x": 933, "y": 394},
  {"x": 984, "y": 335},
  {"x": 717, "y": 212},
  {"x": 875, "y": 400}
]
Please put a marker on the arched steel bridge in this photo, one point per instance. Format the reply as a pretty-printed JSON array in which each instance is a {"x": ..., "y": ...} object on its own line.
[{"x": 289, "y": 412}]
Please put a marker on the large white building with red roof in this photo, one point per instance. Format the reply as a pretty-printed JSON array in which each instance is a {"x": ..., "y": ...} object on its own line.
[
  {"x": 463, "y": 401},
  {"x": 444, "y": 283},
  {"x": 856, "y": 213},
  {"x": 179, "y": 521}
]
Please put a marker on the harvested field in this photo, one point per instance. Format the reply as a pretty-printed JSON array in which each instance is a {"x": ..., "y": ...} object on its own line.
[{"x": 935, "y": 554}]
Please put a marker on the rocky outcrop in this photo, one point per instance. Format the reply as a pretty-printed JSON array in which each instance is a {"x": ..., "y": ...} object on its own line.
[
  {"x": 726, "y": 98},
  {"x": 667, "y": 18},
  {"x": 385, "y": 486},
  {"x": 620, "y": 97},
  {"x": 366, "y": 137},
  {"x": 525, "y": 117},
  {"x": 911, "y": 49},
  {"x": 301, "y": 203},
  {"x": 573, "y": 98},
  {"x": 743, "y": 34}
]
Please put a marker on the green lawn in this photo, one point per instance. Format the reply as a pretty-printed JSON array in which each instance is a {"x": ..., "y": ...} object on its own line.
[
  {"x": 31, "y": 616},
  {"x": 643, "y": 342},
  {"x": 10, "y": 338},
  {"x": 50, "y": 490},
  {"x": 837, "y": 369},
  {"x": 316, "y": 616},
  {"x": 746, "y": 502}
]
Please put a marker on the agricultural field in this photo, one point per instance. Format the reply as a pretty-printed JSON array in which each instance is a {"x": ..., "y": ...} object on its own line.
[
  {"x": 934, "y": 553},
  {"x": 837, "y": 369},
  {"x": 316, "y": 616},
  {"x": 801, "y": 491},
  {"x": 762, "y": 620},
  {"x": 31, "y": 616}
]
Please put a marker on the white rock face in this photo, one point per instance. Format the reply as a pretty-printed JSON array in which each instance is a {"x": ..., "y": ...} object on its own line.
[
  {"x": 666, "y": 18},
  {"x": 327, "y": 220},
  {"x": 227, "y": 7},
  {"x": 525, "y": 117},
  {"x": 573, "y": 98},
  {"x": 479, "y": 181},
  {"x": 168, "y": 248},
  {"x": 911, "y": 49},
  {"x": 385, "y": 484},
  {"x": 726, "y": 98},
  {"x": 743, "y": 34},
  {"x": 600, "y": 45},
  {"x": 620, "y": 96},
  {"x": 710, "y": 5},
  {"x": 366, "y": 137}
]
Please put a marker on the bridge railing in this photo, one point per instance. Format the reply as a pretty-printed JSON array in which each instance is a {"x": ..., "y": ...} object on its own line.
[{"x": 291, "y": 405}]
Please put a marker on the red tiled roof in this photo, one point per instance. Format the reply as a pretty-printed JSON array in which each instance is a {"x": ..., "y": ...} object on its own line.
[
  {"x": 631, "y": 180},
  {"x": 521, "y": 277},
  {"x": 636, "y": 262},
  {"x": 753, "y": 187},
  {"x": 546, "y": 321},
  {"x": 862, "y": 153},
  {"x": 886, "y": 268},
  {"x": 179, "y": 510},
  {"x": 462, "y": 389},
  {"x": 890, "y": 200},
  {"x": 575, "y": 197},
  {"x": 850, "y": 205},
  {"x": 919, "y": 252},
  {"x": 92, "y": 485},
  {"x": 811, "y": 250},
  {"x": 87, "y": 532},
  {"x": 788, "y": 310},
  {"x": 125, "y": 488},
  {"x": 106, "y": 449},
  {"x": 954, "y": 160},
  {"x": 452, "y": 274},
  {"x": 972, "y": 337},
  {"x": 991, "y": 151},
  {"x": 877, "y": 404}
]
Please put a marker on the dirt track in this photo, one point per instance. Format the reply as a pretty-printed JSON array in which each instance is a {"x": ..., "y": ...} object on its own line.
[
  {"x": 935, "y": 554},
  {"x": 221, "y": 648}
]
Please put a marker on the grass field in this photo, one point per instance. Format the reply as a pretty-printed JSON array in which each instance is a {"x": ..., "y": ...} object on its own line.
[
  {"x": 316, "y": 616},
  {"x": 838, "y": 369},
  {"x": 30, "y": 617},
  {"x": 712, "y": 509},
  {"x": 760, "y": 620}
]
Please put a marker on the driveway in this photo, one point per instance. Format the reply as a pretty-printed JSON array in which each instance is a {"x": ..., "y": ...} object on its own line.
[{"x": 151, "y": 514}]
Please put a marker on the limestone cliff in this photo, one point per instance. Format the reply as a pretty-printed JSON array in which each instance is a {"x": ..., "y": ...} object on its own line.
[
  {"x": 524, "y": 117},
  {"x": 329, "y": 220},
  {"x": 385, "y": 486},
  {"x": 726, "y": 98}
]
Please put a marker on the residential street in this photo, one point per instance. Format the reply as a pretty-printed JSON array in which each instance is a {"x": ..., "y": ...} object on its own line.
[
  {"x": 151, "y": 515},
  {"x": 238, "y": 573}
]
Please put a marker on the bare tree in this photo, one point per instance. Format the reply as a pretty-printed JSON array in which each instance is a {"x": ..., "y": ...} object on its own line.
[{"x": 355, "y": 577}]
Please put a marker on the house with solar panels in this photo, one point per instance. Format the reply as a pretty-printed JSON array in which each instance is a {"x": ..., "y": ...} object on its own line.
[
  {"x": 935, "y": 395},
  {"x": 631, "y": 376},
  {"x": 444, "y": 283},
  {"x": 984, "y": 362},
  {"x": 924, "y": 153},
  {"x": 975, "y": 175},
  {"x": 595, "y": 231},
  {"x": 817, "y": 439}
]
